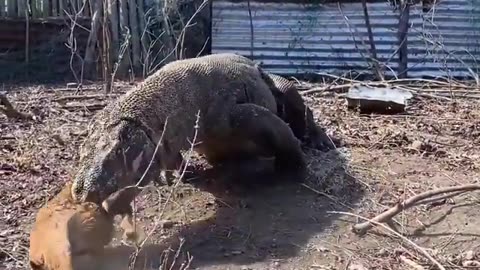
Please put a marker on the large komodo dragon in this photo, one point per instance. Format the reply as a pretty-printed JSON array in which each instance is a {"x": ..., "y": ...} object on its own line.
[{"x": 238, "y": 105}]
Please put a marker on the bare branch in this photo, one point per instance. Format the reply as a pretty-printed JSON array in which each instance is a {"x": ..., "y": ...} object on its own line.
[{"x": 362, "y": 228}]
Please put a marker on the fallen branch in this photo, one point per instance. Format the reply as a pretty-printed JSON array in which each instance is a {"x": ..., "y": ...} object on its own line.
[
  {"x": 90, "y": 107},
  {"x": 362, "y": 228},
  {"x": 83, "y": 97},
  {"x": 417, "y": 247},
  {"x": 7, "y": 108}
]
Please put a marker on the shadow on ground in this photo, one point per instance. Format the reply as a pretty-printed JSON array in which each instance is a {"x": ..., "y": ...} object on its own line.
[{"x": 255, "y": 223}]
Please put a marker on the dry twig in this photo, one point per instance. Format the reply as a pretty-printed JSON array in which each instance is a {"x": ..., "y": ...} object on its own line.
[
  {"x": 417, "y": 247},
  {"x": 362, "y": 228}
]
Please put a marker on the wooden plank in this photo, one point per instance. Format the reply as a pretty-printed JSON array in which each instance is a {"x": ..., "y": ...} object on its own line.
[
  {"x": 72, "y": 6},
  {"x": 46, "y": 8},
  {"x": 11, "y": 8},
  {"x": 54, "y": 8},
  {"x": 113, "y": 18},
  {"x": 145, "y": 42},
  {"x": 123, "y": 18},
  {"x": 21, "y": 8},
  {"x": 61, "y": 6},
  {"x": 2, "y": 8},
  {"x": 134, "y": 30},
  {"x": 87, "y": 10}
]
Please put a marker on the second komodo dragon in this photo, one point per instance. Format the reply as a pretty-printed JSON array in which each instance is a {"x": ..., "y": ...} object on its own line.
[
  {"x": 237, "y": 116},
  {"x": 290, "y": 106}
]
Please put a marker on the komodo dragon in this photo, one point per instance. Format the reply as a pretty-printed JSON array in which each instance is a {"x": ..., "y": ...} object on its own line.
[
  {"x": 237, "y": 114},
  {"x": 290, "y": 106}
]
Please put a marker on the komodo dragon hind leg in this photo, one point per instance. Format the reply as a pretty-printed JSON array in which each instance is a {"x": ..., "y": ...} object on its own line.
[
  {"x": 270, "y": 134},
  {"x": 300, "y": 118}
]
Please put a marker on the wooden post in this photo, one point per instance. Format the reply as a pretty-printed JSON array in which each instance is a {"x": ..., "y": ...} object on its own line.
[
  {"x": 112, "y": 11},
  {"x": 46, "y": 8},
  {"x": 22, "y": 4},
  {"x": 136, "y": 54},
  {"x": 61, "y": 7},
  {"x": 2, "y": 8},
  {"x": 27, "y": 38},
  {"x": 125, "y": 61},
  {"x": 403, "y": 39},
  {"x": 92, "y": 38},
  {"x": 11, "y": 8},
  {"x": 106, "y": 59},
  {"x": 54, "y": 8},
  {"x": 373, "y": 52},
  {"x": 145, "y": 42}
]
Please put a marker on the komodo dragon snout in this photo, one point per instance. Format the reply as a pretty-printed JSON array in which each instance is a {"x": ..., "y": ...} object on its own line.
[{"x": 120, "y": 159}]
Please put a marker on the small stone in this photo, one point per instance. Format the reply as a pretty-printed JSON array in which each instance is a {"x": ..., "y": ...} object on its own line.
[
  {"x": 471, "y": 264},
  {"x": 469, "y": 255},
  {"x": 382, "y": 252},
  {"x": 322, "y": 249},
  {"x": 356, "y": 267},
  {"x": 236, "y": 252},
  {"x": 417, "y": 145},
  {"x": 168, "y": 224}
]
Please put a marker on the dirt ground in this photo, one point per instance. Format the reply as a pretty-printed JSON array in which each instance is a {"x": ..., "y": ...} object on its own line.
[{"x": 381, "y": 160}]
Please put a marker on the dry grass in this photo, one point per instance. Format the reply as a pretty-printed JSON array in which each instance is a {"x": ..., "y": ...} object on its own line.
[{"x": 383, "y": 159}]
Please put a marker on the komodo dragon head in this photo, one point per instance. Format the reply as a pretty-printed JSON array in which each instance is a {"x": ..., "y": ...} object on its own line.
[{"x": 113, "y": 156}]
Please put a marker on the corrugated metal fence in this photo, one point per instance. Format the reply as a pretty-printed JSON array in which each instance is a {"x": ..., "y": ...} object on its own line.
[
  {"x": 291, "y": 38},
  {"x": 445, "y": 40}
]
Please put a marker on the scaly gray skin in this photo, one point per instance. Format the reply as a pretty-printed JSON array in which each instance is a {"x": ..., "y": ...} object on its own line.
[
  {"x": 238, "y": 114},
  {"x": 290, "y": 106},
  {"x": 300, "y": 117}
]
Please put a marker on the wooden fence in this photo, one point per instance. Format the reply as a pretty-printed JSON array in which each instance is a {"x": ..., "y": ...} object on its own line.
[
  {"x": 43, "y": 8},
  {"x": 127, "y": 38}
]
